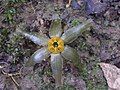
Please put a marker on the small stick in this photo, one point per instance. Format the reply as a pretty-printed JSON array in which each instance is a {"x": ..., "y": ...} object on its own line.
[
  {"x": 11, "y": 76},
  {"x": 14, "y": 81}
]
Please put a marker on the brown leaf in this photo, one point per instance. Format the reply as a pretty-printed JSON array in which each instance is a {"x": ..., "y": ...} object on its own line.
[{"x": 112, "y": 75}]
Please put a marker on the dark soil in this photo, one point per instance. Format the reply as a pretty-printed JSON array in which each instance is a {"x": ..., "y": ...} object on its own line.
[{"x": 99, "y": 44}]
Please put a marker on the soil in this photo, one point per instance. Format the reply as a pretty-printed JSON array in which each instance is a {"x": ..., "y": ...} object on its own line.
[{"x": 99, "y": 44}]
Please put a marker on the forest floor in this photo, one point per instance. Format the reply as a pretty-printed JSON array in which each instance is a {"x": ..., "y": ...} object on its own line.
[{"x": 99, "y": 44}]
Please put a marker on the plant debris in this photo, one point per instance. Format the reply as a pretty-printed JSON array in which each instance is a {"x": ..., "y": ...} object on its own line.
[{"x": 99, "y": 44}]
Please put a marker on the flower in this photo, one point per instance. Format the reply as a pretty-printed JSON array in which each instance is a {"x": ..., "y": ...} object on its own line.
[{"x": 56, "y": 47}]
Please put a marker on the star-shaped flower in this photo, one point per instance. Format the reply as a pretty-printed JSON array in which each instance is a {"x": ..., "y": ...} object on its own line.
[{"x": 56, "y": 46}]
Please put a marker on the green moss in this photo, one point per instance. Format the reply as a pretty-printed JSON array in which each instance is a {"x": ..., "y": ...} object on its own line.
[
  {"x": 11, "y": 10},
  {"x": 75, "y": 22}
]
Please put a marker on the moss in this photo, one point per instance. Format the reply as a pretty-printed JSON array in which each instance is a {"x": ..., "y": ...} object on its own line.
[{"x": 75, "y": 22}]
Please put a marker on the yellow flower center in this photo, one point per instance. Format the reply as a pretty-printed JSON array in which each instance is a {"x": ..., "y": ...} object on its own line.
[{"x": 55, "y": 45}]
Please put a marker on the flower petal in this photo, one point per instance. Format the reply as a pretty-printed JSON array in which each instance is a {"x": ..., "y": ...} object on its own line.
[
  {"x": 56, "y": 28},
  {"x": 56, "y": 65},
  {"x": 38, "y": 56},
  {"x": 35, "y": 37},
  {"x": 70, "y": 53},
  {"x": 73, "y": 33}
]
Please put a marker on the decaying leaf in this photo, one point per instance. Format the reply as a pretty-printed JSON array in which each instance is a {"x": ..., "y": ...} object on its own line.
[{"x": 112, "y": 75}]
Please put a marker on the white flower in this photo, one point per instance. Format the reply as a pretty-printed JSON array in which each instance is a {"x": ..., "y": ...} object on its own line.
[{"x": 56, "y": 46}]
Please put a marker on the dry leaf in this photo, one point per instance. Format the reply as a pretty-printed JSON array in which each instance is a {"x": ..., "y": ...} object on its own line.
[{"x": 112, "y": 75}]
